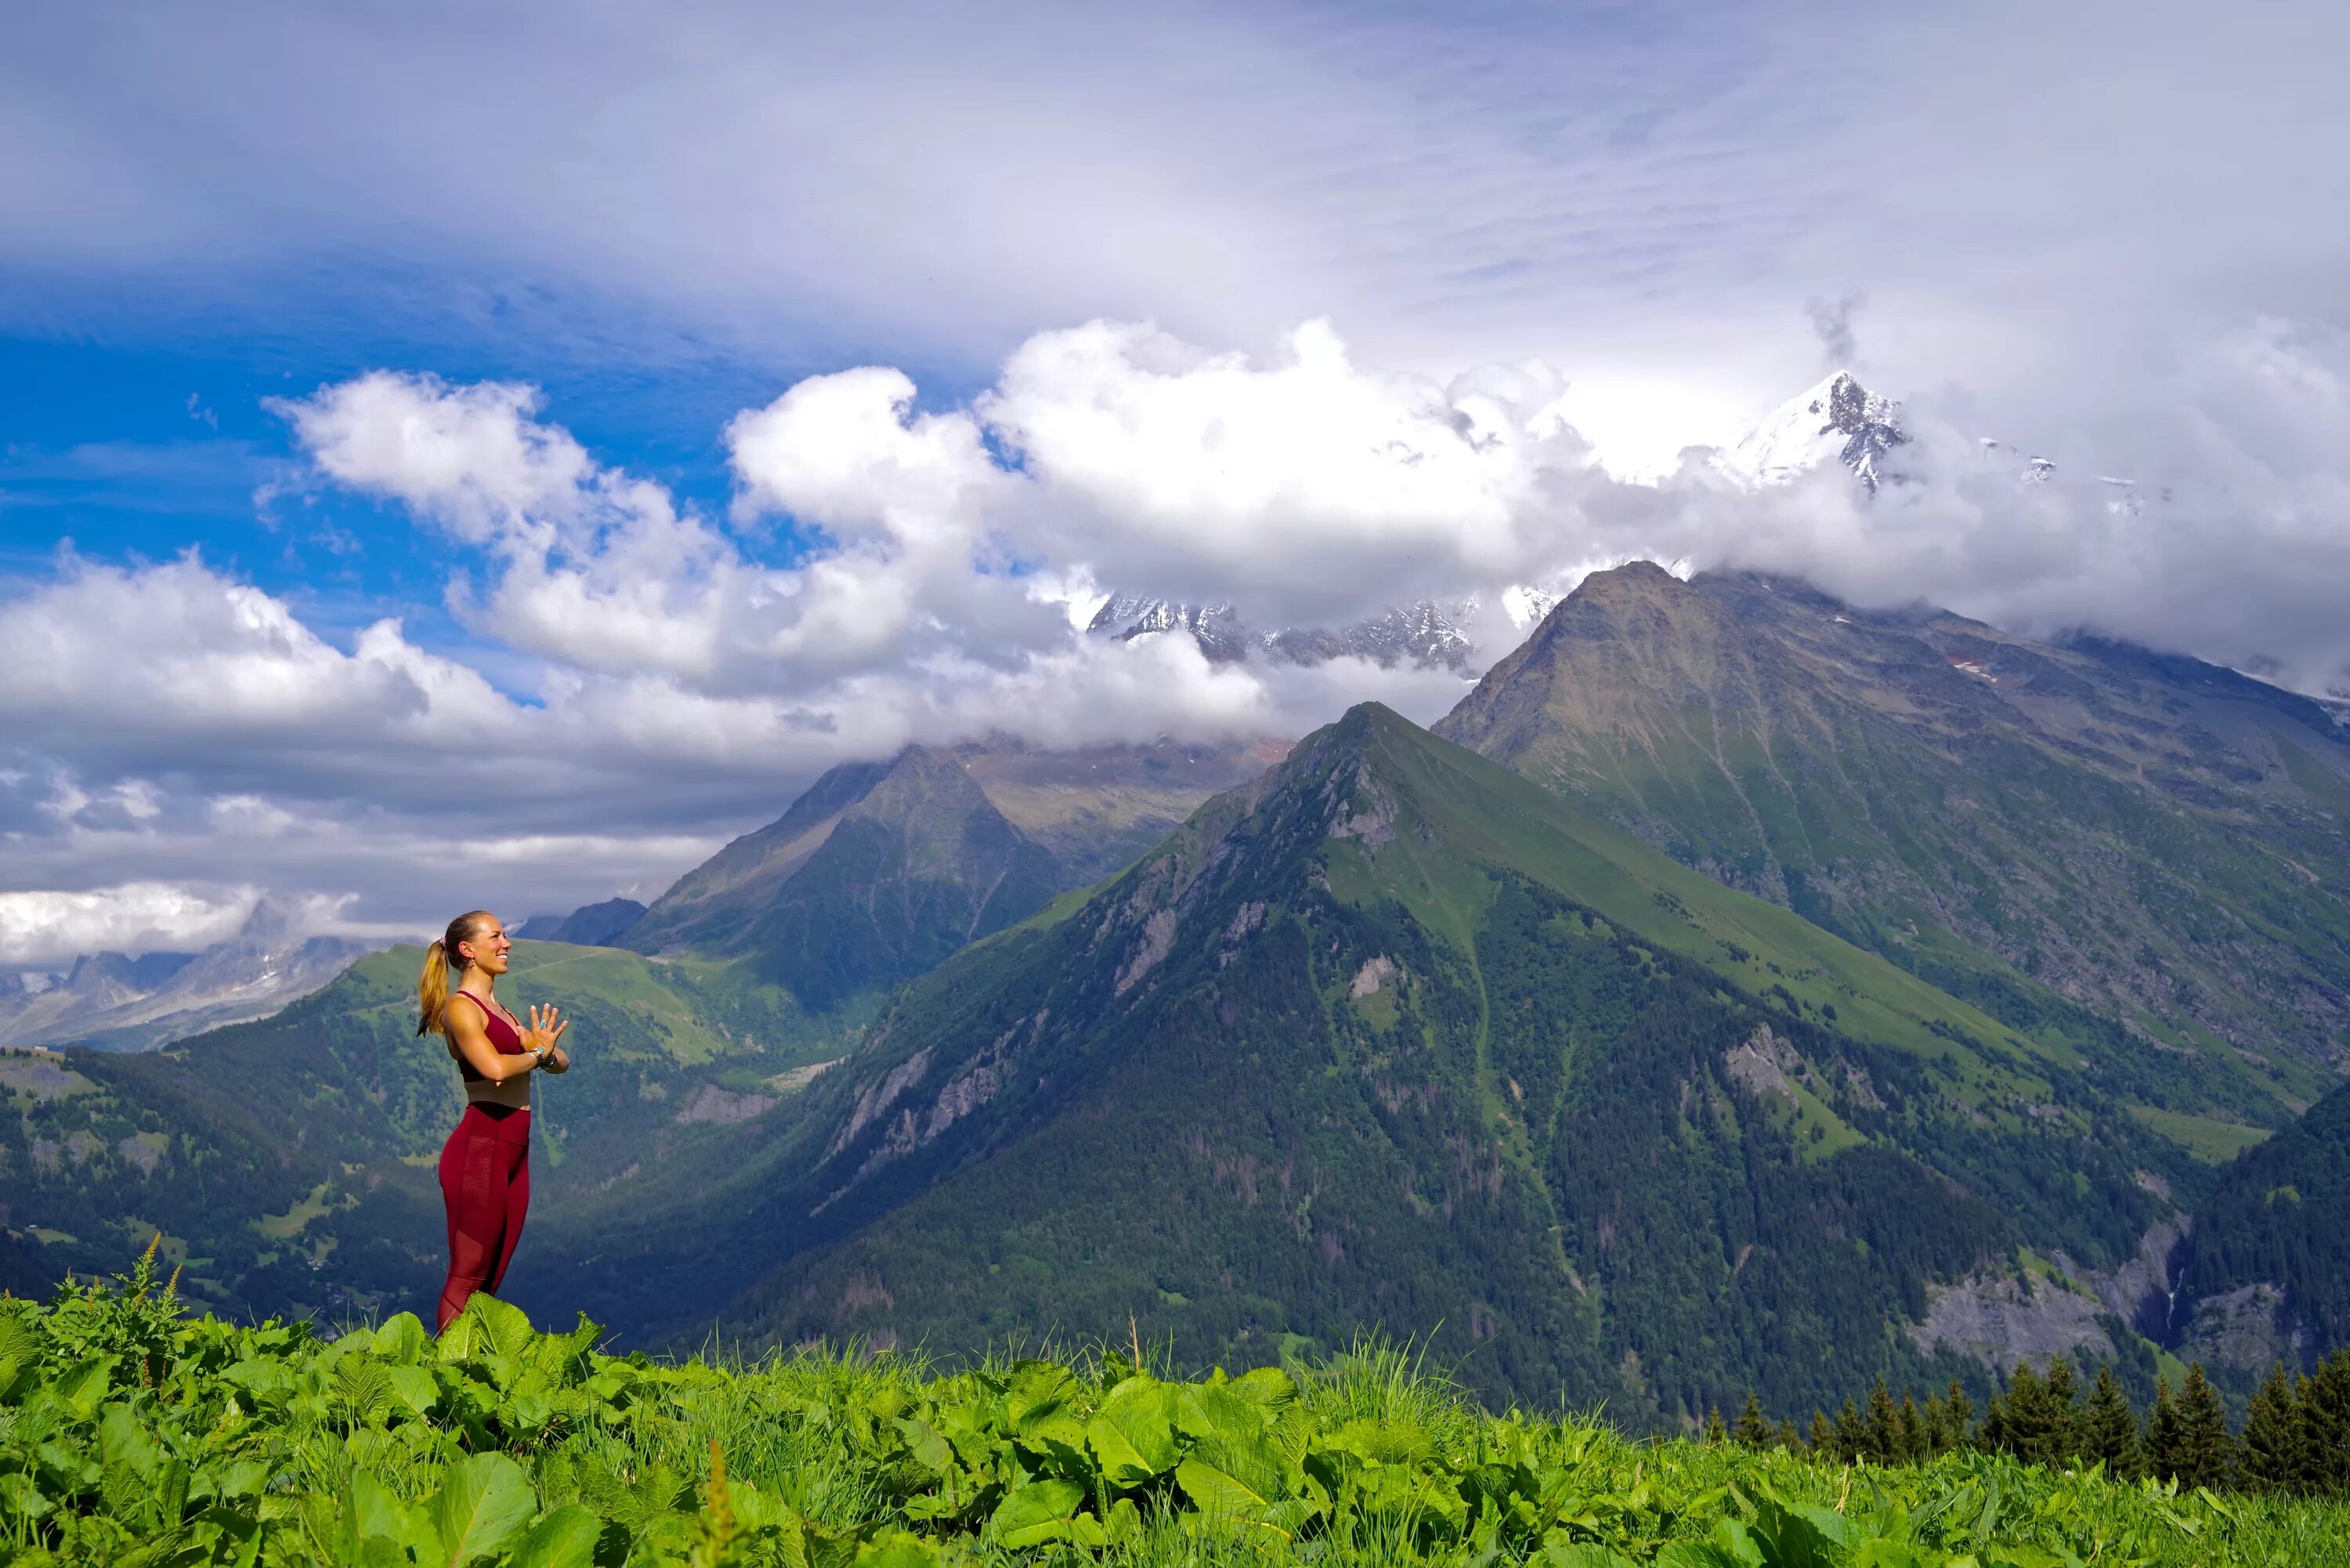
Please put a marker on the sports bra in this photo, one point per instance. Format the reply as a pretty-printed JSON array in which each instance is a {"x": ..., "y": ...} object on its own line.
[{"x": 504, "y": 1038}]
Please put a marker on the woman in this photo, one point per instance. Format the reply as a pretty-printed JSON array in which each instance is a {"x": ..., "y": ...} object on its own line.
[{"x": 485, "y": 1166}]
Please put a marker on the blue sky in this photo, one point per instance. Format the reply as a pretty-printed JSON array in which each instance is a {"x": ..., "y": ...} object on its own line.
[{"x": 763, "y": 426}]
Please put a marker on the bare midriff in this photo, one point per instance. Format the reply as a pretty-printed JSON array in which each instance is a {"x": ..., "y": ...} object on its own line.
[{"x": 514, "y": 1092}]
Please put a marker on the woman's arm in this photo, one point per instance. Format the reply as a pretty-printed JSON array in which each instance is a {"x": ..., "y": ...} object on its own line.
[{"x": 472, "y": 1037}]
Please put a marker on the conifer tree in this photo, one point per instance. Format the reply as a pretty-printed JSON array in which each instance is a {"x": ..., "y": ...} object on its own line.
[
  {"x": 2161, "y": 1456},
  {"x": 1917, "y": 1438},
  {"x": 1823, "y": 1438},
  {"x": 2325, "y": 1426},
  {"x": 1715, "y": 1432},
  {"x": 2272, "y": 1442},
  {"x": 1957, "y": 1416},
  {"x": 2109, "y": 1429},
  {"x": 2033, "y": 1419},
  {"x": 1881, "y": 1431},
  {"x": 1753, "y": 1431},
  {"x": 1789, "y": 1438},
  {"x": 1851, "y": 1435},
  {"x": 2203, "y": 1454}
]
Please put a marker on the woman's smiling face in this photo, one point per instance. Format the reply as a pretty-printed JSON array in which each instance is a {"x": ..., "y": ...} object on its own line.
[{"x": 487, "y": 948}]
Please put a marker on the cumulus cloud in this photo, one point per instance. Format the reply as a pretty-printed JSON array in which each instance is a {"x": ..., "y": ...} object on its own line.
[
  {"x": 890, "y": 573},
  {"x": 45, "y": 929}
]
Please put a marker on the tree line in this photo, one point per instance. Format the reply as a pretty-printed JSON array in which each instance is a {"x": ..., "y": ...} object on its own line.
[{"x": 2295, "y": 1437}]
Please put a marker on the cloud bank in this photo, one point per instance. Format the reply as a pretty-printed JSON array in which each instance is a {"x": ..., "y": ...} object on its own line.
[{"x": 886, "y": 572}]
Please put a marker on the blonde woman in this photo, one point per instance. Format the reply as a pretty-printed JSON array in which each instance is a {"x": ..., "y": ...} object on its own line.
[{"x": 486, "y": 1165}]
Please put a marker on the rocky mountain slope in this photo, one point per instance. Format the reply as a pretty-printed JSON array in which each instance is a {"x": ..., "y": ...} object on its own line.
[
  {"x": 123, "y": 1004},
  {"x": 2139, "y": 855},
  {"x": 1391, "y": 1035}
]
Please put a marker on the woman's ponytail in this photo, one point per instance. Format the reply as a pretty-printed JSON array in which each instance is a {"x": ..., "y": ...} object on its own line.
[{"x": 432, "y": 985}]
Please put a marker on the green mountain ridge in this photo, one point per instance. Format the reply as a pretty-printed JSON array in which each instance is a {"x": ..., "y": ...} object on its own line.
[
  {"x": 1765, "y": 1008},
  {"x": 876, "y": 874},
  {"x": 2137, "y": 853},
  {"x": 1392, "y": 1035},
  {"x": 287, "y": 1163}
]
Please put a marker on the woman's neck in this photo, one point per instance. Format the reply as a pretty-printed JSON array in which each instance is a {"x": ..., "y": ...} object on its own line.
[{"x": 486, "y": 989}]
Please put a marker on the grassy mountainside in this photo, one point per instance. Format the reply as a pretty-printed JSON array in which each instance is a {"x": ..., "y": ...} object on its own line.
[
  {"x": 873, "y": 876},
  {"x": 2141, "y": 857},
  {"x": 1393, "y": 1036},
  {"x": 129, "y": 1436},
  {"x": 288, "y": 1162}
]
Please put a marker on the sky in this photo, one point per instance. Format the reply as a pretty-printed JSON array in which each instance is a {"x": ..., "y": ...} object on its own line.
[{"x": 493, "y": 453}]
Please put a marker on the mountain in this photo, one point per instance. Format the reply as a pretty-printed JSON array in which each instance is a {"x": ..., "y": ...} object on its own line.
[
  {"x": 877, "y": 873},
  {"x": 1425, "y": 632},
  {"x": 1838, "y": 420},
  {"x": 1099, "y": 809},
  {"x": 2264, "y": 1272},
  {"x": 1392, "y": 1036},
  {"x": 124, "y": 1003},
  {"x": 287, "y": 1163},
  {"x": 590, "y": 925},
  {"x": 2137, "y": 856}
]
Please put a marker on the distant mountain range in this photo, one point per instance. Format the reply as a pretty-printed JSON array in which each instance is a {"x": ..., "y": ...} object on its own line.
[
  {"x": 121, "y": 1004},
  {"x": 1423, "y": 632},
  {"x": 1837, "y": 423},
  {"x": 1738, "y": 989},
  {"x": 880, "y": 870}
]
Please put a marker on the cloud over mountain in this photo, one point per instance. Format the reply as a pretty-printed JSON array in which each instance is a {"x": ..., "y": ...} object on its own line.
[{"x": 642, "y": 674}]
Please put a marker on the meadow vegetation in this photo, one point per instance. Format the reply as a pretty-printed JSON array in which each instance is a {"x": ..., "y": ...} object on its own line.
[{"x": 131, "y": 1433}]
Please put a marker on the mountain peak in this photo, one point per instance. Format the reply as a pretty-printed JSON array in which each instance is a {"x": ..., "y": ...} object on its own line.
[{"x": 1836, "y": 419}]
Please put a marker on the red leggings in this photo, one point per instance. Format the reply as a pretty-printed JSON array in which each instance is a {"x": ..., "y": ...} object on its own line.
[{"x": 485, "y": 1183}]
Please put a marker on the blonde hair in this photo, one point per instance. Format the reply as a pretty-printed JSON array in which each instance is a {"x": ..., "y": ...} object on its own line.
[{"x": 432, "y": 985}]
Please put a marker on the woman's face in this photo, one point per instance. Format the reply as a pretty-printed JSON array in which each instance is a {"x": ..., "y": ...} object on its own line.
[{"x": 487, "y": 948}]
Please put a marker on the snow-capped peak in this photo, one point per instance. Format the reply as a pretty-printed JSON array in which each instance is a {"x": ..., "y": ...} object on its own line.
[{"x": 1837, "y": 421}]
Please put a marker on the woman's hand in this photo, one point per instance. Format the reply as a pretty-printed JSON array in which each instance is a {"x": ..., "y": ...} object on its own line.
[{"x": 547, "y": 1026}]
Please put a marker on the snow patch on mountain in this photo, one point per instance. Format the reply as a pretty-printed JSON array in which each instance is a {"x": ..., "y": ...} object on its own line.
[
  {"x": 1838, "y": 420},
  {"x": 128, "y": 1004},
  {"x": 1426, "y": 632}
]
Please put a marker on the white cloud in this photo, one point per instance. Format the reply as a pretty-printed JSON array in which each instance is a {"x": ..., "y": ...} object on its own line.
[
  {"x": 173, "y": 726},
  {"x": 47, "y": 929}
]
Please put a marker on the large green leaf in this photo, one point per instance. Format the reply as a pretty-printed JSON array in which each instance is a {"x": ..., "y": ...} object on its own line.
[
  {"x": 1213, "y": 1491},
  {"x": 1580, "y": 1554},
  {"x": 1035, "y": 1513},
  {"x": 1134, "y": 1433},
  {"x": 488, "y": 1330},
  {"x": 564, "y": 1539},
  {"x": 479, "y": 1507},
  {"x": 401, "y": 1338},
  {"x": 1039, "y": 1393}
]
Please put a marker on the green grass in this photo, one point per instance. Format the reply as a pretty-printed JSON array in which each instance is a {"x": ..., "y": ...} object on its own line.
[
  {"x": 286, "y": 1226},
  {"x": 2208, "y": 1138},
  {"x": 131, "y": 1434},
  {"x": 1489, "y": 813}
]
